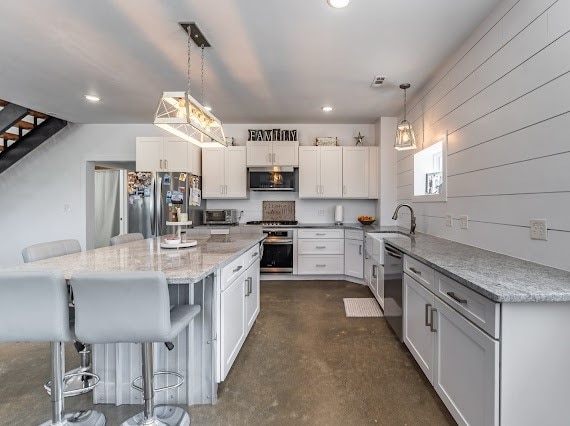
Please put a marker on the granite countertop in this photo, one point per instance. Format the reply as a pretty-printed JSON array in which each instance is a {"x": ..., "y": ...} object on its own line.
[
  {"x": 181, "y": 266},
  {"x": 496, "y": 276}
]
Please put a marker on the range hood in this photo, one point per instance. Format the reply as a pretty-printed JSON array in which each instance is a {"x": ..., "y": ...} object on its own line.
[{"x": 272, "y": 179}]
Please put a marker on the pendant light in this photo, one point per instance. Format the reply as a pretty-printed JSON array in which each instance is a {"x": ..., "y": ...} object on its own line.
[
  {"x": 182, "y": 115},
  {"x": 405, "y": 138}
]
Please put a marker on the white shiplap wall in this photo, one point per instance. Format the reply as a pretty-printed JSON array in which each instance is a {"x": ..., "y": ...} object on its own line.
[{"x": 504, "y": 99}]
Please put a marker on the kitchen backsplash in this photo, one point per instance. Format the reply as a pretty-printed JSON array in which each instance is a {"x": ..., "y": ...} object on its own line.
[{"x": 306, "y": 211}]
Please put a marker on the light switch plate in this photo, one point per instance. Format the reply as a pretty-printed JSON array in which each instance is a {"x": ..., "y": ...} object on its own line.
[
  {"x": 538, "y": 229},
  {"x": 449, "y": 220},
  {"x": 321, "y": 212},
  {"x": 464, "y": 221},
  {"x": 67, "y": 207}
]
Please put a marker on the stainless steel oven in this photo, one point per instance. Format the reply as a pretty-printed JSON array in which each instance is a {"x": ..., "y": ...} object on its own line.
[{"x": 277, "y": 251}]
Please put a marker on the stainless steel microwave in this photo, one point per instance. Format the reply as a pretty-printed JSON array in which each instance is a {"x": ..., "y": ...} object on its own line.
[
  {"x": 272, "y": 179},
  {"x": 221, "y": 217}
]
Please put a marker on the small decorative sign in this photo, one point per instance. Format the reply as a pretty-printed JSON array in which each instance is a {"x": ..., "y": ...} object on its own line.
[
  {"x": 326, "y": 141},
  {"x": 259, "y": 135}
]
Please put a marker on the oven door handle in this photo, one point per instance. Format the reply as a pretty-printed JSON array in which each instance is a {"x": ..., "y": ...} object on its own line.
[{"x": 278, "y": 242}]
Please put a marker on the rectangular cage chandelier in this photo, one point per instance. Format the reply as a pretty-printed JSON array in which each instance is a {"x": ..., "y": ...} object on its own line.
[{"x": 181, "y": 114}]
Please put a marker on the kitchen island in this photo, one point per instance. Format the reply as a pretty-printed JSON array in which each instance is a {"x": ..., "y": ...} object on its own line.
[{"x": 195, "y": 276}]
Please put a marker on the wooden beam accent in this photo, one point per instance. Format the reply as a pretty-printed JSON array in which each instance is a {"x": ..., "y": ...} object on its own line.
[
  {"x": 3, "y": 102},
  {"x": 25, "y": 125},
  {"x": 37, "y": 114},
  {"x": 9, "y": 136}
]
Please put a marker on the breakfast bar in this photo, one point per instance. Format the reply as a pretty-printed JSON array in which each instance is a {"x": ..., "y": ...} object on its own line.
[{"x": 194, "y": 276}]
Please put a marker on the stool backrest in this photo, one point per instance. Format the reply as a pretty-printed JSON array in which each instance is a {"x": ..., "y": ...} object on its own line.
[
  {"x": 50, "y": 249},
  {"x": 113, "y": 307},
  {"x": 126, "y": 238},
  {"x": 33, "y": 307}
]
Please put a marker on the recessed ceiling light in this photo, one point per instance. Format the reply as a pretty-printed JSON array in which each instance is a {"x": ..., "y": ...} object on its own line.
[
  {"x": 327, "y": 108},
  {"x": 208, "y": 108},
  {"x": 338, "y": 3},
  {"x": 92, "y": 98}
]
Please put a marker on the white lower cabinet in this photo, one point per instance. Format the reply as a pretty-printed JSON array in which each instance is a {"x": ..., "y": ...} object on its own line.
[
  {"x": 467, "y": 368},
  {"x": 353, "y": 254},
  {"x": 239, "y": 306},
  {"x": 460, "y": 359},
  {"x": 418, "y": 335},
  {"x": 320, "y": 252}
]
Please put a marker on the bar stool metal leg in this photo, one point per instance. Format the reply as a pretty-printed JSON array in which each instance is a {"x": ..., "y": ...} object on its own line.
[{"x": 162, "y": 415}]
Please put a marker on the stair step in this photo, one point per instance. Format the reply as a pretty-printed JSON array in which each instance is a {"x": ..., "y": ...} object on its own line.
[
  {"x": 9, "y": 136},
  {"x": 37, "y": 114},
  {"x": 25, "y": 125}
]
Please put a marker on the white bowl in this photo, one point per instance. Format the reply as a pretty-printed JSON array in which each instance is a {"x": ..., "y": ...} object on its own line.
[{"x": 172, "y": 240}]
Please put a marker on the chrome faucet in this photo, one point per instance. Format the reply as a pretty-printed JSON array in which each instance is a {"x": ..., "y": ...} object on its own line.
[{"x": 413, "y": 223}]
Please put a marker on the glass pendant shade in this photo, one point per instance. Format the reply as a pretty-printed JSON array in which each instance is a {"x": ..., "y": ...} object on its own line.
[
  {"x": 405, "y": 138},
  {"x": 182, "y": 115}
]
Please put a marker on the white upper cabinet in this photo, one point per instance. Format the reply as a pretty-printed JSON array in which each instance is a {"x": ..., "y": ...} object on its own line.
[
  {"x": 167, "y": 154},
  {"x": 267, "y": 153},
  {"x": 224, "y": 173},
  {"x": 355, "y": 171},
  {"x": 320, "y": 172}
]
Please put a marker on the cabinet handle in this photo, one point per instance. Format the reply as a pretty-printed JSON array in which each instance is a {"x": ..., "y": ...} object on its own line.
[
  {"x": 250, "y": 286},
  {"x": 246, "y": 282},
  {"x": 226, "y": 189},
  {"x": 254, "y": 254},
  {"x": 274, "y": 158},
  {"x": 415, "y": 271},
  {"x": 374, "y": 274},
  {"x": 221, "y": 189},
  {"x": 432, "y": 325},
  {"x": 320, "y": 247},
  {"x": 360, "y": 249},
  {"x": 428, "y": 306},
  {"x": 161, "y": 164},
  {"x": 320, "y": 233},
  {"x": 456, "y": 298},
  {"x": 238, "y": 268},
  {"x": 320, "y": 265},
  {"x": 166, "y": 164},
  {"x": 344, "y": 189}
]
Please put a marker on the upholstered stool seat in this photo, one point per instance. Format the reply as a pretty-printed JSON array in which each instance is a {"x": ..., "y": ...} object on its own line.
[
  {"x": 136, "y": 310},
  {"x": 126, "y": 238},
  {"x": 34, "y": 308},
  {"x": 75, "y": 383}
]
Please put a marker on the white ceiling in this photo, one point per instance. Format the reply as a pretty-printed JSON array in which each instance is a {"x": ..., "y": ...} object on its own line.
[{"x": 272, "y": 61}]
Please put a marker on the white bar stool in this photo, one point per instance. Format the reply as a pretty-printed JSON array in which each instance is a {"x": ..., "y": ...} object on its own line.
[
  {"x": 34, "y": 308},
  {"x": 126, "y": 238},
  {"x": 133, "y": 307}
]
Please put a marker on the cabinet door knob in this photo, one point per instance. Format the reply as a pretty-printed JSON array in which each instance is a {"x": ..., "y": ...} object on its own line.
[
  {"x": 432, "y": 325},
  {"x": 456, "y": 298},
  {"x": 415, "y": 271},
  {"x": 428, "y": 306}
]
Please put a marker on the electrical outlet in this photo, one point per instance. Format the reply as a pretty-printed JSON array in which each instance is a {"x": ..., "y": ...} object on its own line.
[
  {"x": 538, "y": 229},
  {"x": 67, "y": 207},
  {"x": 448, "y": 220},
  {"x": 464, "y": 221},
  {"x": 321, "y": 212}
]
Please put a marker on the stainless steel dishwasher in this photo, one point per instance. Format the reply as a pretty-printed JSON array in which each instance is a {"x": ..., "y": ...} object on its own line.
[{"x": 393, "y": 276}]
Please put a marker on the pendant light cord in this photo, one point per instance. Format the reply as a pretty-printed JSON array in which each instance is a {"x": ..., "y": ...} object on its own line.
[
  {"x": 189, "y": 55},
  {"x": 405, "y": 104},
  {"x": 202, "y": 97}
]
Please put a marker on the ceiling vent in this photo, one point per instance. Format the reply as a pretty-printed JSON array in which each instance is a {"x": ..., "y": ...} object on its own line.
[{"x": 377, "y": 81}]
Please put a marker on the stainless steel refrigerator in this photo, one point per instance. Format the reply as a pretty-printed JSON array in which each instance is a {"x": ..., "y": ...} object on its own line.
[{"x": 152, "y": 195}]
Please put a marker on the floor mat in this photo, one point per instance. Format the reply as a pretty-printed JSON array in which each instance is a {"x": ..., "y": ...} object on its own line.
[{"x": 362, "y": 307}]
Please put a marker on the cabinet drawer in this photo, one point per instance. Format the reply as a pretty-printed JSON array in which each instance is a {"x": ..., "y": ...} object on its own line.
[
  {"x": 251, "y": 255},
  {"x": 320, "y": 246},
  {"x": 483, "y": 312},
  {"x": 420, "y": 272},
  {"x": 320, "y": 233},
  {"x": 320, "y": 265},
  {"x": 233, "y": 270},
  {"x": 351, "y": 234}
]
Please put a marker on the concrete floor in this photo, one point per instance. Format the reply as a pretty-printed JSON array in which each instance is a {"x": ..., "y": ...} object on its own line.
[{"x": 304, "y": 362}]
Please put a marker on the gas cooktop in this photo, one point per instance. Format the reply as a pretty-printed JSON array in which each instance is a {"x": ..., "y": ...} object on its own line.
[{"x": 272, "y": 222}]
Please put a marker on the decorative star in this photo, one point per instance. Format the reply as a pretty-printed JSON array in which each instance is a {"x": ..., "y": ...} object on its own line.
[{"x": 359, "y": 139}]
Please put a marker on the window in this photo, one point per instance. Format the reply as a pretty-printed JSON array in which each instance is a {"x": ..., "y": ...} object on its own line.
[{"x": 430, "y": 173}]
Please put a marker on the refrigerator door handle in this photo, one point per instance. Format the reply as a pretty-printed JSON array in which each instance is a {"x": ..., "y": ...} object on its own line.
[
  {"x": 158, "y": 207},
  {"x": 152, "y": 209}
]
